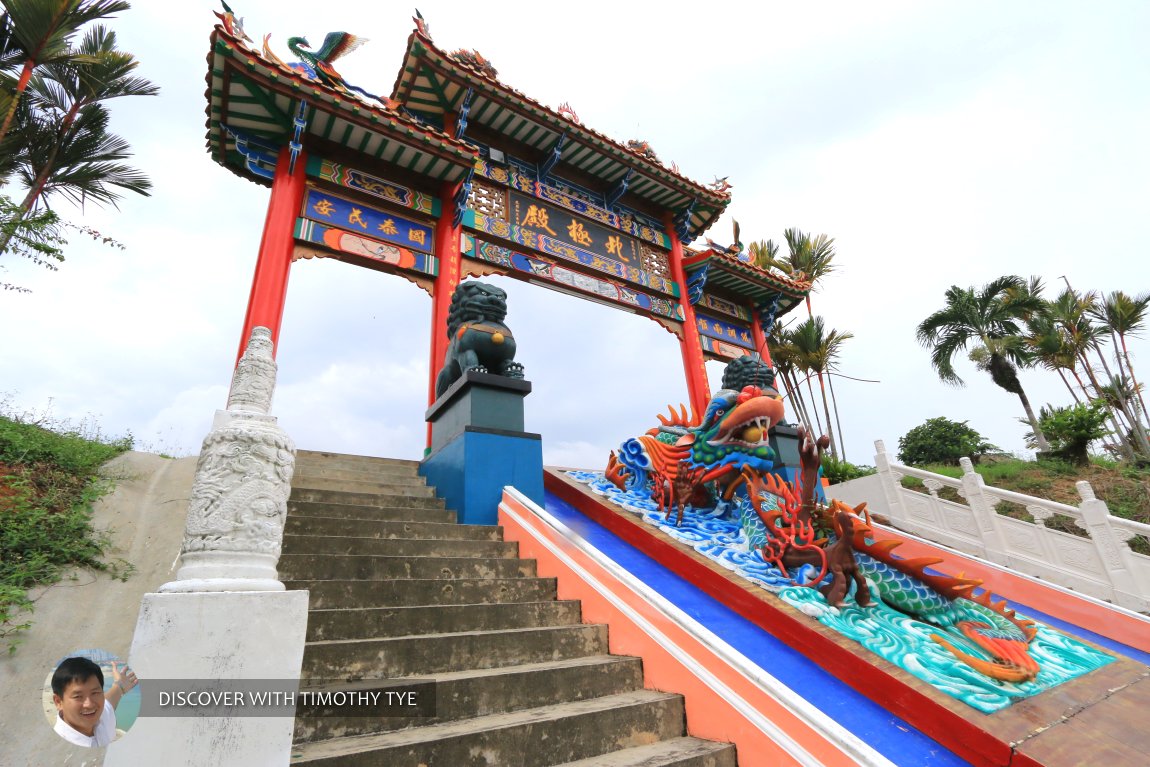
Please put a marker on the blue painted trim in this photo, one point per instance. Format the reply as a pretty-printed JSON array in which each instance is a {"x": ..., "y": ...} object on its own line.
[{"x": 891, "y": 736}]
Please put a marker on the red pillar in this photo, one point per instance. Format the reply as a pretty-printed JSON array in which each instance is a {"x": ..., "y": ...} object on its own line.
[
  {"x": 760, "y": 338},
  {"x": 269, "y": 283},
  {"x": 447, "y": 251},
  {"x": 691, "y": 344}
]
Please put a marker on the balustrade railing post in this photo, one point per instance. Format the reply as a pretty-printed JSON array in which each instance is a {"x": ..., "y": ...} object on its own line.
[
  {"x": 891, "y": 486},
  {"x": 985, "y": 517},
  {"x": 1113, "y": 550}
]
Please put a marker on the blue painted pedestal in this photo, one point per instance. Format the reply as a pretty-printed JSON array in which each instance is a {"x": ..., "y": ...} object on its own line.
[{"x": 478, "y": 446}]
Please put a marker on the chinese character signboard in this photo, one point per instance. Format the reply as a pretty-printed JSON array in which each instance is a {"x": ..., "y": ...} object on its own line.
[
  {"x": 376, "y": 224},
  {"x": 532, "y": 214},
  {"x": 724, "y": 331}
]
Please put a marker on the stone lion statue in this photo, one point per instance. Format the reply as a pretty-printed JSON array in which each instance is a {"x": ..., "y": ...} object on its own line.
[
  {"x": 748, "y": 370},
  {"x": 478, "y": 338}
]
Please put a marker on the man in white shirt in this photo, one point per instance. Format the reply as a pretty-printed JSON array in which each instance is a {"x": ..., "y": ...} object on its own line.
[{"x": 85, "y": 714}]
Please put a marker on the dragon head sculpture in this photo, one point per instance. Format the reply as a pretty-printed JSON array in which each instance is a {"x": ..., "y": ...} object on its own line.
[{"x": 734, "y": 431}]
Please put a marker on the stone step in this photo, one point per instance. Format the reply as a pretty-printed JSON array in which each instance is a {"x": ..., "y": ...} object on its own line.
[
  {"x": 397, "y": 512},
  {"x": 367, "y": 567},
  {"x": 362, "y": 623},
  {"x": 677, "y": 752},
  {"x": 482, "y": 692},
  {"x": 401, "y": 474},
  {"x": 398, "y": 547},
  {"x": 355, "y": 659},
  {"x": 391, "y": 529},
  {"x": 346, "y": 594},
  {"x": 309, "y": 458},
  {"x": 413, "y": 488},
  {"x": 378, "y": 500},
  {"x": 535, "y": 737}
]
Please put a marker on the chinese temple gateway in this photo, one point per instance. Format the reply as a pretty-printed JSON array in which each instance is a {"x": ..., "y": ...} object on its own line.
[
  {"x": 457, "y": 174},
  {"x": 753, "y": 620}
]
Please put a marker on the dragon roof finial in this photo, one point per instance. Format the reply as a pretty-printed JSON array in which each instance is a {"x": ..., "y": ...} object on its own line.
[{"x": 421, "y": 24}]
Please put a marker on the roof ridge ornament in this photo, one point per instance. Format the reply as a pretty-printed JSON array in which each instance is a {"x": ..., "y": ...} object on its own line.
[
  {"x": 565, "y": 110},
  {"x": 475, "y": 60},
  {"x": 318, "y": 64},
  {"x": 421, "y": 24},
  {"x": 232, "y": 25},
  {"x": 735, "y": 250},
  {"x": 720, "y": 185},
  {"x": 644, "y": 150}
]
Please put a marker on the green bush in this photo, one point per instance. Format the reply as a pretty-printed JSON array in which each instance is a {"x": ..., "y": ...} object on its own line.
[
  {"x": 1070, "y": 430},
  {"x": 941, "y": 440},
  {"x": 49, "y": 478},
  {"x": 836, "y": 471},
  {"x": 70, "y": 448}
]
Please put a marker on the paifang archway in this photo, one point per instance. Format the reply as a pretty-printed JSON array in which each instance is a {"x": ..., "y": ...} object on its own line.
[{"x": 459, "y": 175}]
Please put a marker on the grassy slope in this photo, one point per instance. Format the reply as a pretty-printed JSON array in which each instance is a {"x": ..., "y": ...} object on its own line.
[{"x": 49, "y": 478}]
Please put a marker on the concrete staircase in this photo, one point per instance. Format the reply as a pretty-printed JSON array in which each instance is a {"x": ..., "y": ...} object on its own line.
[{"x": 400, "y": 590}]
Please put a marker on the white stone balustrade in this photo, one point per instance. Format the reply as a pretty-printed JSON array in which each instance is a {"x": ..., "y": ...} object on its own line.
[{"x": 1101, "y": 564}]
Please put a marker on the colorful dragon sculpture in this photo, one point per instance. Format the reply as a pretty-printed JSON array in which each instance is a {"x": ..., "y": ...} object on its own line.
[{"x": 726, "y": 455}]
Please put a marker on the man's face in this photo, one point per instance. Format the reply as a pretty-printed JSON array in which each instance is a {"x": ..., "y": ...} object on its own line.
[{"x": 81, "y": 704}]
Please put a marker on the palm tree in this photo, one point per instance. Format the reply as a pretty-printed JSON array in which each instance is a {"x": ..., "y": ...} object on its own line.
[
  {"x": 785, "y": 357},
  {"x": 765, "y": 255},
  {"x": 819, "y": 349},
  {"x": 1125, "y": 316},
  {"x": 1048, "y": 346},
  {"x": 68, "y": 88},
  {"x": 809, "y": 259},
  {"x": 988, "y": 318},
  {"x": 85, "y": 165},
  {"x": 1082, "y": 310},
  {"x": 40, "y": 30},
  {"x": 1070, "y": 312}
]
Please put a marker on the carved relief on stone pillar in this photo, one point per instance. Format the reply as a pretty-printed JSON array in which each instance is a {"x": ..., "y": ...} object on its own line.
[
  {"x": 238, "y": 507},
  {"x": 243, "y": 478},
  {"x": 254, "y": 381}
]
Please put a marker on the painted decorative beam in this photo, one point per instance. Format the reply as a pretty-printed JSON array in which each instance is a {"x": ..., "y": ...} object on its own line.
[
  {"x": 300, "y": 125},
  {"x": 461, "y": 120},
  {"x": 696, "y": 281},
  {"x": 620, "y": 188},
  {"x": 259, "y": 156},
  {"x": 683, "y": 222},
  {"x": 554, "y": 154},
  {"x": 460, "y": 200}
]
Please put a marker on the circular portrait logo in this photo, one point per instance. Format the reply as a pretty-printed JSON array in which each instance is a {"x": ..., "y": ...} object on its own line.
[{"x": 91, "y": 698}]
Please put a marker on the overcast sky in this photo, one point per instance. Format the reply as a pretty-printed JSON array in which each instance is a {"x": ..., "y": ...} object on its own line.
[{"x": 938, "y": 143}]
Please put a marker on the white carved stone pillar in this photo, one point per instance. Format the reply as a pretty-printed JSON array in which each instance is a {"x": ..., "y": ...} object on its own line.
[
  {"x": 985, "y": 517},
  {"x": 891, "y": 487},
  {"x": 1111, "y": 545},
  {"x": 226, "y": 616},
  {"x": 239, "y": 496}
]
